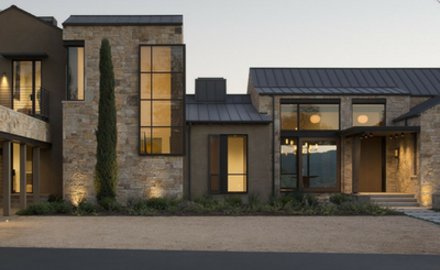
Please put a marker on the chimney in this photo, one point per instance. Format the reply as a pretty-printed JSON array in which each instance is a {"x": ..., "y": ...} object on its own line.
[{"x": 210, "y": 89}]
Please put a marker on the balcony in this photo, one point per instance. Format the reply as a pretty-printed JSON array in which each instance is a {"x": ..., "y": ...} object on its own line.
[{"x": 28, "y": 101}]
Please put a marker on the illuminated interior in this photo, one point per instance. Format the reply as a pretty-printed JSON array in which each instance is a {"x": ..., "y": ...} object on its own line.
[
  {"x": 161, "y": 100},
  {"x": 236, "y": 164},
  {"x": 75, "y": 73},
  {"x": 16, "y": 168},
  {"x": 368, "y": 114},
  {"x": 309, "y": 117},
  {"x": 26, "y": 84}
]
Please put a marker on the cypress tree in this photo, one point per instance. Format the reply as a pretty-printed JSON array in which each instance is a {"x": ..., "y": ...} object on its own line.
[{"x": 106, "y": 163}]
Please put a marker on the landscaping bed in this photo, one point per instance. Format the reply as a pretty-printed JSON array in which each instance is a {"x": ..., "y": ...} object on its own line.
[{"x": 290, "y": 204}]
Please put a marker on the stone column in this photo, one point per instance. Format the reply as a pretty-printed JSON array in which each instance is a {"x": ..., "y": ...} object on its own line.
[
  {"x": 356, "y": 163},
  {"x": 7, "y": 178},
  {"x": 22, "y": 176},
  {"x": 36, "y": 173}
]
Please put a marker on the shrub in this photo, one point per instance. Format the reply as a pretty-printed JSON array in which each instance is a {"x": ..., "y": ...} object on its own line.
[
  {"x": 159, "y": 203},
  {"x": 254, "y": 203},
  {"x": 340, "y": 198},
  {"x": 54, "y": 198},
  {"x": 86, "y": 208},
  {"x": 234, "y": 202},
  {"x": 47, "y": 208},
  {"x": 208, "y": 203},
  {"x": 110, "y": 204}
]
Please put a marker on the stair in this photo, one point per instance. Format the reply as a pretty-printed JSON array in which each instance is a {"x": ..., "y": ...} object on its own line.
[{"x": 392, "y": 199}]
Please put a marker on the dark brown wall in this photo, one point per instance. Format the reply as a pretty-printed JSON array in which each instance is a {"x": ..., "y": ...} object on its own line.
[
  {"x": 23, "y": 33},
  {"x": 259, "y": 158}
]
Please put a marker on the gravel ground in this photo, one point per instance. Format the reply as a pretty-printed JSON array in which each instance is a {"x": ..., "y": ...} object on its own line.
[{"x": 391, "y": 235}]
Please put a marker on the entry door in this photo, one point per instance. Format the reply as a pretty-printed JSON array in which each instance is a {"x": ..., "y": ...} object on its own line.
[{"x": 372, "y": 173}]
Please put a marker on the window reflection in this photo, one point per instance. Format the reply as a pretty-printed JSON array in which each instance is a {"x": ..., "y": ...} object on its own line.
[
  {"x": 319, "y": 164},
  {"x": 289, "y": 117},
  {"x": 75, "y": 73},
  {"x": 319, "y": 116}
]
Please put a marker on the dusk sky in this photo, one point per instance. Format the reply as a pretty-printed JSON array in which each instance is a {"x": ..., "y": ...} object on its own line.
[{"x": 224, "y": 38}]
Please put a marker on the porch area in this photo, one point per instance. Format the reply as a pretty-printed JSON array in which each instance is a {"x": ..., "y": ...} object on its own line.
[
  {"x": 21, "y": 139},
  {"x": 380, "y": 164}
]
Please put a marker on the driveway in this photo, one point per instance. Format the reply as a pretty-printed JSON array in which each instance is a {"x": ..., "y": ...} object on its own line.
[{"x": 373, "y": 235}]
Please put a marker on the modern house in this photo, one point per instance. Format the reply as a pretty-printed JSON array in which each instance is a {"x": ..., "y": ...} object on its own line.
[{"x": 320, "y": 130}]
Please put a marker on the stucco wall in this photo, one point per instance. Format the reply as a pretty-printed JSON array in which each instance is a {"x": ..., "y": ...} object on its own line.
[
  {"x": 139, "y": 176},
  {"x": 259, "y": 157},
  {"x": 429, "y": 154}
]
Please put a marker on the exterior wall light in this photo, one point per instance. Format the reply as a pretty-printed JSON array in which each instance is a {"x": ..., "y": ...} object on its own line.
[
  {"x": 315, "y": 119},
  {"x": 362, "y": 119},
  {"x": 396, "y": 153}
]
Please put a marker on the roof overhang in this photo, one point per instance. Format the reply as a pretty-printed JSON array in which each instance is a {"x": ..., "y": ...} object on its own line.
[
  {"x": 379, "y": 131},
  {"x": 25, "y": 55}
]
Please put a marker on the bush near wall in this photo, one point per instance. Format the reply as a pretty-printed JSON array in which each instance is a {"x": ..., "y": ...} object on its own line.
[{"x": 292, "y": 204}]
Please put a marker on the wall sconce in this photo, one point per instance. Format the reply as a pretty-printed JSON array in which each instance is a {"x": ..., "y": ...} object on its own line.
[{"x": 396, "y": 153}]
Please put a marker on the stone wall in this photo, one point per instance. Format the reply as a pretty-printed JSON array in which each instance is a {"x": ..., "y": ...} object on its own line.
[
  {"x": 139, "y": 176},
  {"x": 429, "y": 143},
  {"x": 23, "y": 125}
]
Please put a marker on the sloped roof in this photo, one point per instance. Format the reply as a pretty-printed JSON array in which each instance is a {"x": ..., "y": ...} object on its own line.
[
  {"x": 419, "y": 109},
  {"x": 349, "y": 81},
  {"x": 234, "y": 109},
  {"x": 89, "y": 20}
]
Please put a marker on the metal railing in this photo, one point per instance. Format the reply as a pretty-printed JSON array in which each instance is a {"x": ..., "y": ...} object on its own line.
[{"x": 26, "y": 101}]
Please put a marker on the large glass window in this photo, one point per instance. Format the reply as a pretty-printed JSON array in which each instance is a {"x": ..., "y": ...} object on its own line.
[
  {"x": 309, "y": 117},
  {"x": 228, "y": 163},
  {"x": 368, "y": 114},
  {"x": 162, "y": 99},
  {"x": 75, "y": 73},
  {"x": 319, "y": 164}
]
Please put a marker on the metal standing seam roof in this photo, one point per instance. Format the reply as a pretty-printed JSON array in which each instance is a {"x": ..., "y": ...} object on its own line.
[
  {"x": 349, "y": 81},
  {"x": 89, "y": 20},
  {"x": 235, "y": 109},
  {"x": 419, "y": 109}
]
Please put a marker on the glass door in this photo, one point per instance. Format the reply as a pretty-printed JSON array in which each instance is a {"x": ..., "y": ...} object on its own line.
[
  {"x": 319, "y": 164},
  {"x": 26, "y": 86}
]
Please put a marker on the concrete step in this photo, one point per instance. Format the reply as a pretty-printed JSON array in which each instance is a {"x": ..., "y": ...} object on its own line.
[
  {"x": 397, "y": 204},
  {"x": 403, "y": 199}
]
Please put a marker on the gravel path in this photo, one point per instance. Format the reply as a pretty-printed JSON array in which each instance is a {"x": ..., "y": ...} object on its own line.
[{"x": 391, "y": 235}]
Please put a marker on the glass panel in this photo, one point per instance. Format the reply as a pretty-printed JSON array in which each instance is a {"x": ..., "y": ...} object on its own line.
[
  {"x": 236, "y": 163},
  {"x": 319, "y": 116},
  {"x": 145, "y": 59},
  {"x": 162, "y": 86},
  {"x": 145, "y": 141},
  {"x": 319, "y": 164},
  {"x": 167, "y": 140},
  {"x": 145, "y": 113},
  {"x": 236, "y": 183},
  {"x": 167, "y": 113},
  {"x": 214, "y": 163},
  {"x": 75, "y": 76},
  {"x": 288, "y": 164},
  {"x": 145, "y": 86},
  {"x": 161, "y": 59},
  {"x": 29, "y": 160},
  {"x": 15, "y": 167},
  {"x": 289, "y": 117},
  {"x": 38, "y": 87},
  {"x": 368, "y": 114},
  {"x": 23, "y": 86},
  {"x": 236, "y": 154}
]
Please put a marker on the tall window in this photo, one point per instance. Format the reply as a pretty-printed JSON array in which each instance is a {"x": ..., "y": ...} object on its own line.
[
  {"x": 309, "y": 117},
  {"x": 228, "y": 163},
  {"x": 27, "y": 86},
  {"x": 368, "y": 114},
  {"x": 75, "y": 73},
  {"x": 162, "y": 90}
]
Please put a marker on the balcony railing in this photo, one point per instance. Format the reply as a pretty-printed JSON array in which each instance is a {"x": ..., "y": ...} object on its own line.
[{"x": 26, "y": 101}]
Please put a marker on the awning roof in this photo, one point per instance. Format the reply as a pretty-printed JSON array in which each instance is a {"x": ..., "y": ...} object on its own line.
[{"x": 379, "y": 131}]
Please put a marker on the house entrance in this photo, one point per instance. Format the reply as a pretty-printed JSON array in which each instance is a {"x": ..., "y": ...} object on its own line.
[{"x": 372, "y": 165}]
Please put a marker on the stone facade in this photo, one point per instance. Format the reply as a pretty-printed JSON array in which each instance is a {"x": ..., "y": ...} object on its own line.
[
  {"x": 429, "y": 145},
  {"x": 23, "y": 125},
  {"x": 139, "y": 176}
]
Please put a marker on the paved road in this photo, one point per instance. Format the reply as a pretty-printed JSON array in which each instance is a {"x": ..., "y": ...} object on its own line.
[{"x": 66, "y": 259}]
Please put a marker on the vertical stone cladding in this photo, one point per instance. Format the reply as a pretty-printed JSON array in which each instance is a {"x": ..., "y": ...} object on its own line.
[
  {"x": 139, "y": 176},
  {"x": 395, "y": 106},
  {"x": 429, "y": 143}
]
